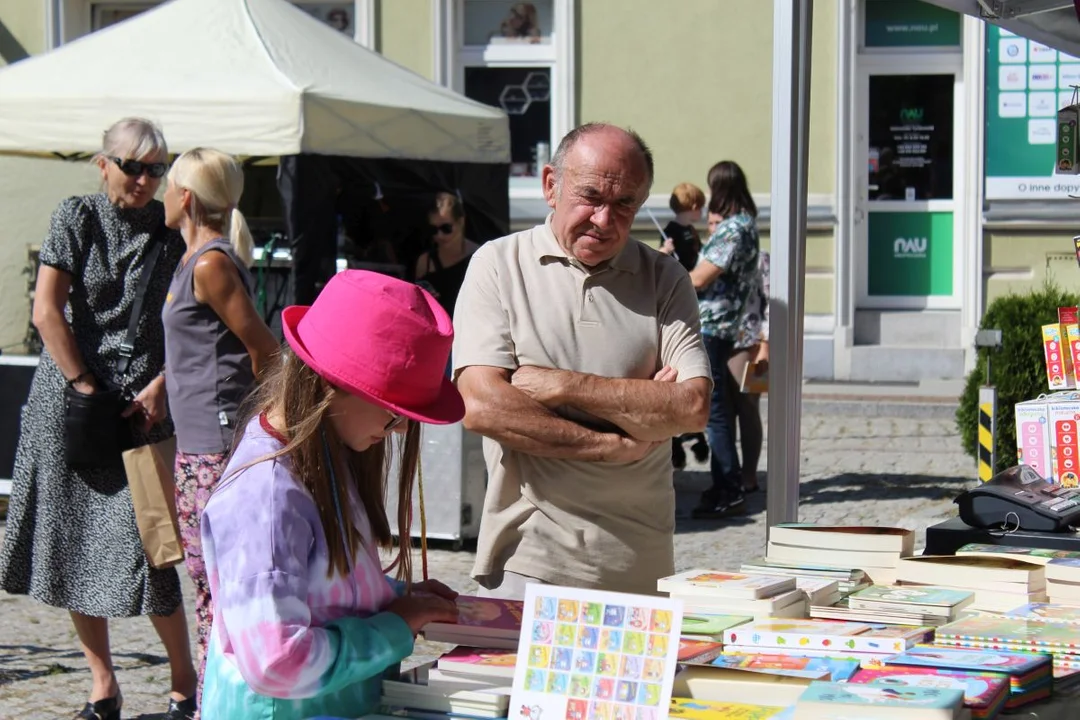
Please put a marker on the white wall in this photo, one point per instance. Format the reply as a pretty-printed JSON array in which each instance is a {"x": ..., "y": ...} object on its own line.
[{"x": 29, "y": 191}]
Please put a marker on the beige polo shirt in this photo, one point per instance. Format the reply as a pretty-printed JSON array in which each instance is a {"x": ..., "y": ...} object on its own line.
[{"x": 525, "y": 302}]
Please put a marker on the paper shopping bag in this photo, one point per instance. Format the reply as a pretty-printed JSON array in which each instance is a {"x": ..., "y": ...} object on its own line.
[{"x": 150, "y": 477}]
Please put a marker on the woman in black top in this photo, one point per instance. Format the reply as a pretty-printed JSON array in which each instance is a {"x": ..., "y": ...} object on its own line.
[{"x": 441, "y": 269}]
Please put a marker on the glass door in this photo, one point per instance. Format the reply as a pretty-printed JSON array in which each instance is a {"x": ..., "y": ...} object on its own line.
[{"x": 910, "y": 125}]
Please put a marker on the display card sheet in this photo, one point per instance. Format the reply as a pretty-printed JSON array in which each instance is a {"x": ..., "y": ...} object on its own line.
[{"x": 593, "y": 655}]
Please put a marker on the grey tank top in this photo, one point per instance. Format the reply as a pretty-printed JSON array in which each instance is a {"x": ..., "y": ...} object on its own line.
[{"x": 207, "y": 369}]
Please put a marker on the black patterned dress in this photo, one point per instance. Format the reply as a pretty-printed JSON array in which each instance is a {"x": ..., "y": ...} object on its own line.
[{"x": 71, "y": 539}]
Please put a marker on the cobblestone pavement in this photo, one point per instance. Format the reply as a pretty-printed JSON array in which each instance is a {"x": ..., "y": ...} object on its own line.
[{"x": 855, "y": 469}]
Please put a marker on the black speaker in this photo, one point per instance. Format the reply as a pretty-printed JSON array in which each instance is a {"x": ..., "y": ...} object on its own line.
[{"x": 16, "y": 373}]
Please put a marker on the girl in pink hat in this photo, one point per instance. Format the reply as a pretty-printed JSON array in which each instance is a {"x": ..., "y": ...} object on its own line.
[{"x": 305, "y": 622}]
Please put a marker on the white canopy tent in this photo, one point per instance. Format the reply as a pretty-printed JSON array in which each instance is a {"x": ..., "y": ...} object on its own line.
[
  {"x": 1052, "y": 22},
  {"x": 256, "y": 78}
]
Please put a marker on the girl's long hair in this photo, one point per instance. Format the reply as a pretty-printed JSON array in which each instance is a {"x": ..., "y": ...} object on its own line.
[
  {"x": 729, "y": 193},
  {"x": 294, "y": 391}
]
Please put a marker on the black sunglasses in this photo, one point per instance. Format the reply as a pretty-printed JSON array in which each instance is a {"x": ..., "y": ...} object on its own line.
[
  {"x": 445, "y": 229},
  {"x": 134, "y": 168}
]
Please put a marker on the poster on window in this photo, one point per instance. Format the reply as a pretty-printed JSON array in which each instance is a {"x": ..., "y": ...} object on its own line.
[
  {"x": 524, "y": 94},
  {"x": 492, "y": 22},
  {"x": 1026, "y": 84}
]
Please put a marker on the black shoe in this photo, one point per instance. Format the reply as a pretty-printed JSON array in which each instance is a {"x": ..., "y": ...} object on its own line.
[
  {"x": 678, "y": 455},
  {"x": 107, "y": 709},
  {"x": 700, "y": 450},
  {"x": 715, "y": 507},
  {"x": 181, "y": 709}
]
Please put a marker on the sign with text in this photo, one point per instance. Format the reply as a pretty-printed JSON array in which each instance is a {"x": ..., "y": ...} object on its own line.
[
  {"x": 910, "y": 254},
  {"x": 1026, "y": 84},
  {"x": 910, "y": 23}
]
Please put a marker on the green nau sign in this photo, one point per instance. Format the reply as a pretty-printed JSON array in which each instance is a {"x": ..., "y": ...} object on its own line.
[
  {"x": 910, "y": 23},
  {"x": 910, "y": 254}
]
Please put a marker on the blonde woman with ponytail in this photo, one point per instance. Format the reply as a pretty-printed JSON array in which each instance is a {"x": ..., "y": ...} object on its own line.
[{"x": 215, "y": 342}]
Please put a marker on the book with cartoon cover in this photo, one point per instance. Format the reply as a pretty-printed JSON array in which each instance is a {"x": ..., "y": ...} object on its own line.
[
  {"x": 704, "y": 624},
  {"x": 1014, "y": 664},
  {"x": 985, "y": 693},
  {"x": 902, "y": 599},
  {"x": 714, "y": 583},
  {"x": 715, "y": 710},
  {"x": 1047, "y": 612},
  {"x": 1008, "y": 632},
  {"x": 479, "y": 661},
  {"x": 814, "y": 668},
  {"x": 844, "y": 698},
  {"x": 483, "y": 622},
  {"x": 698, "y": 652},
  {"x": 827, "y": 635}
]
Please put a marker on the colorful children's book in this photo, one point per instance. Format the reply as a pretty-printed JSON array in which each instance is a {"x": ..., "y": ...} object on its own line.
[
  {"x": 588, "y": 653},
  {"x": 482, "y": 622},
  {"x": 814, "y": 668},
  {"x": 1018, "y": 665},
  {"x": 924, "y": 599},
  {"x": 701, "y": 625},
  {"x": 845, "y": 699},
  {"x": 1047, "y": 612},
  {"x": 1009, "y": 633},
  {"x": 490, "y": 662},
  {"x": 827, "y": 635},
  {"x": 984, "y": 693},
  {"x": 698, "y": 652},
  {"x": 713, "y": 583},
  {"x": 712, "y": 710}
]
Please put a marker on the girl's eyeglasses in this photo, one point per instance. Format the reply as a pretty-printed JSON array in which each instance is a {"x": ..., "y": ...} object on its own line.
[
  {"x": 395, "y": 421},
  {"x": 134, "y": 168},
  {"x": 445, "y": 229}
]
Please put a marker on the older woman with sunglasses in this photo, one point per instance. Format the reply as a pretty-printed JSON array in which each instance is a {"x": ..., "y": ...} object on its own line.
[
  {"x": 71, "y": 539},
  {"x": 441, "y": 270}
]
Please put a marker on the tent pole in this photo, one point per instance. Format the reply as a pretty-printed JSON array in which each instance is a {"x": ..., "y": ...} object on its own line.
[{"x": 792, "y": 24}]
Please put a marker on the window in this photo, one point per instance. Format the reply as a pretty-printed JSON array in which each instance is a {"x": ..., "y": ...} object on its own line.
[
  {"x": 516, "y": 56},
  {"x": 339, "y": 15}
]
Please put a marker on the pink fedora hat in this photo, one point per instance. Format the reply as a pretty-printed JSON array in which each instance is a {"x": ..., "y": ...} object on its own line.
[{"x": 382, "y": 339}]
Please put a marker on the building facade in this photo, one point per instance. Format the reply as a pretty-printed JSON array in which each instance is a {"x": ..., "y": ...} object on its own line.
[{"x": 932, "y": 135}]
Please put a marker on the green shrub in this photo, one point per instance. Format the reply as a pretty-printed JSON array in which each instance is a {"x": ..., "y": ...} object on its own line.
[{"x": 1019, "y": 367}]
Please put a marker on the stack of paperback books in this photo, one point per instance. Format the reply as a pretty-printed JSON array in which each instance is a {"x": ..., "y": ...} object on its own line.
[
  {"x": 999, "y": 583},
  {"x": 874, "y": 550},
  {"x": 482, "y": 622},
  {"x": 425, "y": 690},
  {"x": 715, "y": 592},
  {"x": 848, "y": 580},
  {"x": 929, "y": 606}
]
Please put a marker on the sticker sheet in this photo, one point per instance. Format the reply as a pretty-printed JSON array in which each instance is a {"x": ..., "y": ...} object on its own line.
[{"x": 591, "y": 655}]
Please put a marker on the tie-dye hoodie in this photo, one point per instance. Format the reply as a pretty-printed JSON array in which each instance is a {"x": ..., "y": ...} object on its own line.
[{"x": 287, "y": 640}]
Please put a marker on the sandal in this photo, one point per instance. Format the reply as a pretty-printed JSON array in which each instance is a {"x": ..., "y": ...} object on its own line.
[
  {"x": 107, "y": 709},
  {"x": 181, "y": 709}
]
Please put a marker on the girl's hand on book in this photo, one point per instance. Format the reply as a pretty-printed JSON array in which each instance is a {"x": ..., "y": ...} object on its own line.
[
  {"x": 419, "y": 609},
  {"x": 434, "y": 587}
]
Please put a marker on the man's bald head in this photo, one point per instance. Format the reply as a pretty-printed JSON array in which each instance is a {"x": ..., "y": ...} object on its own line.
[{"x": 604, "y": 132}]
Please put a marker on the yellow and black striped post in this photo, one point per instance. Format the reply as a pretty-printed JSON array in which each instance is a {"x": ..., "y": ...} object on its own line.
[{"x": 987, "y": 413}]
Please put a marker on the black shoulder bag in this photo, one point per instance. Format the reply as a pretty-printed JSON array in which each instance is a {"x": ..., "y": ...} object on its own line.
[{"x": 95, "y": 432}]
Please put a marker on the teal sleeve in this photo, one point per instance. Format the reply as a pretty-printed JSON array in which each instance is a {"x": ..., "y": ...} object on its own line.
[{"x": 364, "y": 647}]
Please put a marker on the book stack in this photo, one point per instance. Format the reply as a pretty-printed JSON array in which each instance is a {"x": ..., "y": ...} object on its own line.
[
  {"x": 1029, "y": 674},
  {"x": 827, "y": 700},
  {"x": 415, "y": 693},
  {"x": 715, "y": 684},
  {"x": 999, "y": 583},
  {"x": 481, "y": 622},
  {"x": 1040, "y": 556},
  {"x": 848, "y": 580},
  {"x": 811, "y": 668},
  {"x": 929, "y": 606},
  {"x": 985, "y": 694},
  {"x": 1060, "y": 640},
  {"x": 824, "y": 638},
  {"x": 874, "y": 550},
  {"x": 714, "y": 592},
  {"x": 1063, "y": 581}
]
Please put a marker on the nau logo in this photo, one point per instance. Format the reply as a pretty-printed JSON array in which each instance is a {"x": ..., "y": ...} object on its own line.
[
  {"x": 911, "y": 114},
  {"x": 910, "y": 247}
]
